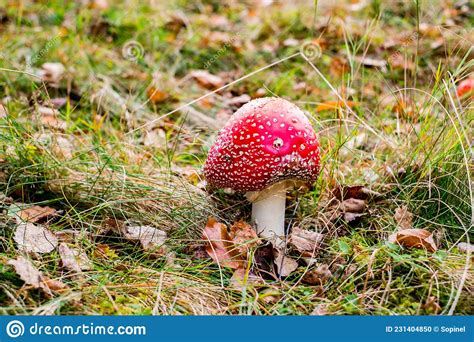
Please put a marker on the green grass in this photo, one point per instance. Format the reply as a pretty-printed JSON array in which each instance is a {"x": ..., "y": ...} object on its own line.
[{"x": 419, "y": 157}]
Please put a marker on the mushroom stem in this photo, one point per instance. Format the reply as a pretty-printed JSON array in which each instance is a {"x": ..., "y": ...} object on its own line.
[{"x": 268, "y": 214}]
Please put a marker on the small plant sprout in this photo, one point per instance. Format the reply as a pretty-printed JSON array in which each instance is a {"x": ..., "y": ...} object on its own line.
[{"x": 266, "y": 147}]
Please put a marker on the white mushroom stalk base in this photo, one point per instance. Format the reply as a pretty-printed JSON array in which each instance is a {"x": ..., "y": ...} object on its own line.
[{"x": 268, "y": 215}]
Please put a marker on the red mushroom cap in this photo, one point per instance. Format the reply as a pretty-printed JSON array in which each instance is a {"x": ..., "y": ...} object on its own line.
[
  {"x": 465, "y": 87},
  {"x": 267, "y": 140}
]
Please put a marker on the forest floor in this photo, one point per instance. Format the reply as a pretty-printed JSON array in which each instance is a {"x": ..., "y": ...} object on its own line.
[{"x": 107, "y": 111}]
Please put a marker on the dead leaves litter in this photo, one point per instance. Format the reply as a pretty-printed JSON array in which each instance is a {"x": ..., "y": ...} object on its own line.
[
  {"x": 51, "y": 73},
  {"x": 403, "y": 217},
  {"x": 73, "y": 259},
  {"x": 317, "y": 276},
  {"x": 305, "y": 241},
  {"x": 241, "y": 279},
  {"x": 219, "y": 245},
  {"x": 32, "y": 276},
  {"x": 284, "y": 264},
  {"x": 151, "y": 239},
  {"x": 465, "y": 247},
  {"x": 414, "y": 238},
  {"x": 206, "y": 79},
  {"x": 244, "y": 237},
  {"x": 36, "y": 213},
  {"x": 34, "y": 238}
]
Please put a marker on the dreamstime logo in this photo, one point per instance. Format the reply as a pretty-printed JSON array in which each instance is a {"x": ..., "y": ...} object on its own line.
[
  {"x": 132, "y": 50},
  {"x": 15, "y": 329},
  {"x": 311, "y": 50}
]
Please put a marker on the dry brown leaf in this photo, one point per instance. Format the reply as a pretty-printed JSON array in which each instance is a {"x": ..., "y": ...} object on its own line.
[
  {"x": 156, "y": 96},
  {"x": 151, "y": 239},
  {"x": 206, "y": 79},
  {"x": 219, "y": 245},
  {"x": 239, "y": 100},
  {"x": 244, "y": 237},
  {"x": 320, "y": 310},
  {"x": 432, "y": 305},
  {"x": 241, "y": 279},
  {"x": 73, "y": 259},
  {"x": 353, "y": 191},
  {"x": 34, "y": 238},
  {"x": 3, "y": 111},
  {"x": 352, "y": 205},
  {"x": 62, "y": 148},
  {"x": 305, "y": 241},
  {"x": 57, "y": 102},
  {"x": 52, "y": 72},
  {"x": 465, "y": 247},
  {"x": 398, "y": 61},
  {"x": 372, "y": 62},
  {"x": 332, "y": 105},
  {"x": 99, "y": 4},
  {"x": 338, "y": 66},
  {"x": 403, "y": 217},
  {"x": 35, "y": 213},
  {"x": 317, "y": 276},
  {"x": 415, "y": 237},
  {"x": 285, "y": 265},
  {"x": 49, "y": 117},
  {"x": 32, "y": 276},
  {"x": 27, "y": 271}
]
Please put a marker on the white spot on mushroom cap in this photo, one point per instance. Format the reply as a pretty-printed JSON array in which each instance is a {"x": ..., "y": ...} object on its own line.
[{"x": 253, "y": 166}]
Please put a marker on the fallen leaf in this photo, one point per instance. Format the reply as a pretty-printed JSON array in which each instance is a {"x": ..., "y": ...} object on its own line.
[
  {"x": 263, "y": 260},
  {"x": 432, "y": 305},
  {"x": 62, "y": 148},
  {"x": 206, "y": 79},
  {"x": 52, "y": 72},
  {"x": 241, "y": 279},
  {"x": 352, "y": 209},
  {"x": 57, "y": 102},
  {"x": 3, "y": 111},
  {"x": 34, "y": 238},
  {"x": 338, "y": 66},
  {"x": 398, "y": 61},
  {"x": 352, "y": 191},
  {"x": 219, "y": 245},
  {"x": 352, "y": 205},
  {"x": 239, "y": 100},
  {"x": 104, "y": 251},
  {"x": 151, "y": 239},
  {"x": 372, "y": 62},
  {"x": 291, "y": 42},
  {"x": 27, "y": 271},
  {"x": 154, "y": 138},
  {"x": 73, "y": 259},
  {"x": 35, "y": 213},
  {"x": 32, "y": 276},
  {"x": 244, "y": 237},
  {"x": 350, "y": 217},
  {"x": 403, "y": 217},
  {"x": 465, "y": 247},
  {"x": 99, "y": 4},
  {"x": 415, "y": 237},
  {"x": 49, "y": 118},
  {"x": 305, "y": 241},
  {"x": 284, "y": 264},
  {"x": 156, "y": 96},
  {"x": 320, "y": 310},
  {"x": 331, "y": 105},
  {"x": 317, "y": 276}
]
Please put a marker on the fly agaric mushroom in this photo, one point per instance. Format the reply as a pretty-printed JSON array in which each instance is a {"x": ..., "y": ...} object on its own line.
[
  {"x": 465, "y": 87},
  {"x": 266, "y": 147}
]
